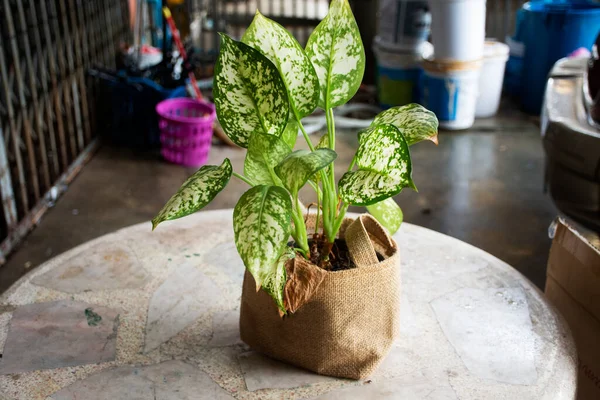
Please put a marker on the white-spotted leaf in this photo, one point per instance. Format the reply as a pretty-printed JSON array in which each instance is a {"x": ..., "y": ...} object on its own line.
[
  {"x": 323, "y": 142},
  {"x": 414, "y": 121},
  {"x": 274, "y": 285},
  {"x": 264, "y": 153},
  {"x": 301, "y": 165},
  {"x": 337, "y": 53},
  {"x": 196, "y": 192},
  {"x": 383, "y": 149},
  {"x": 290, "y": 133},
  {"x": 298, "y": 73},
  {"x": 388, "y": 213},
  {"x": 261, "y": 225},
  {"x": 249, "y": 93},
  {"x": 363, "y": 188}
]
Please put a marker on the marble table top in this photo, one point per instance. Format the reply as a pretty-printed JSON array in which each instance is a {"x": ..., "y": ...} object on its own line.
[{"x": 154, "y": 315}]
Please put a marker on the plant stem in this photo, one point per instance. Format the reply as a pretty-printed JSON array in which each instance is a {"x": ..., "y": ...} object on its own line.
[
  {"x": 297, "y": 234},
  {"x": 340, "y": 218},
  {"x": 318, "y": 211},
  {"x": 330, "y": 217},
  {"x": 352, "y": 163},
  {"x": 330, "y": 127},
  {"x": 310, "y": 145},
  {"x": 312, "y": 148},
  {"x": 317, "y": 189},
  {"x": 328, "y": 193},
  {"x": 274, "y": 176},
  {"x": 323, "y": 175},
  {"x": 300, "y": 227},
  {"x": 243, "y": 178}
]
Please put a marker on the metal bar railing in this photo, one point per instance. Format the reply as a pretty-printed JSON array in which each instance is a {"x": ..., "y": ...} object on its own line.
[{"x": 46, "y": 100}]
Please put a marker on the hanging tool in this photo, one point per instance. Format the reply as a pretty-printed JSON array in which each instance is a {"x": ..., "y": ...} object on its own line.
[{"x": 181, "y": 49}]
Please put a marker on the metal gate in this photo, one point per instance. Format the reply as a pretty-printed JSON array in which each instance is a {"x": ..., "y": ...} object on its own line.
[{"x": 46, "y": 110}]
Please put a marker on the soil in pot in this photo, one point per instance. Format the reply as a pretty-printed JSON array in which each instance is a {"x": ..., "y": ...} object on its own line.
[{"x": 339, "y": 256}]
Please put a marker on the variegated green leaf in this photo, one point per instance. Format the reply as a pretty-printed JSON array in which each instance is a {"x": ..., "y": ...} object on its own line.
[
  {"x": 336, "y": 50},
  {"x": 363, "y": 188},
  {"x": 264, "y": 153},
  {"x": 290, "y": 133},
  {"x": 196, "y": 192},
  {"x": 383, "y": 159},
  {"x": 249, "y": 94},
  {"x": 323, "y": 142},
  {"x": 414, "y": 121},
  {"x": 301, "y": 165},
  {"x": 275, "y": 283},
  {"x": 388, "y": 213},
  {"x": 298, "y": 73},
  {"x": 383, "y": 149},
  {"x": 261, "y": 225}
]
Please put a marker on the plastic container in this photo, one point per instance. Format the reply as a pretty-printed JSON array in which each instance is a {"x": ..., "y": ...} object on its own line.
[
  {"x": 403, "y": 22},
  {"x": 399, "y": 73},
  {"x": 548, "y": 32},
  {"x": 458, "y": 29},
  {"x": 495, "y": 55},
  {"x": 186, "y": 127},
  {"x": 513, "y": 74},
  {"x": 125, "y": 107},
  {"x": 450, "y": 90}
]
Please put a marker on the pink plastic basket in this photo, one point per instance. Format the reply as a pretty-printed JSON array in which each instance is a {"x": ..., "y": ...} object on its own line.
[{"x": 186, "y": 127}]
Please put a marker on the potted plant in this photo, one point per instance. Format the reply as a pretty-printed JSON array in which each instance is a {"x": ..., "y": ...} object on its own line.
[{"x": 326, "y": 300}]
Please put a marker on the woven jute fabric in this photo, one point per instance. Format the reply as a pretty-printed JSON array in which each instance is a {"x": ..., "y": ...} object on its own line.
[{"x": 350, "y": 322}]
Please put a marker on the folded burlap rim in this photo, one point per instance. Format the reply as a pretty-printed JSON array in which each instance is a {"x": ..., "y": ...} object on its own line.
[{"x": 365, "y": 238}]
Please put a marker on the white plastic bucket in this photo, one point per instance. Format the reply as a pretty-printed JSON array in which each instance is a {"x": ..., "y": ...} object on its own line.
[
  {"x": 458, "y": 29},
  {"x": 403, "y": 21},
  {"x": 450, "y": 90},
  {"x": 399, "y": 74},
  {"x": 495, "y": 56}
]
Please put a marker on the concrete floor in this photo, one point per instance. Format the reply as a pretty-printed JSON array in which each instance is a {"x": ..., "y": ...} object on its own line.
[{"x": 483, "y": 186}]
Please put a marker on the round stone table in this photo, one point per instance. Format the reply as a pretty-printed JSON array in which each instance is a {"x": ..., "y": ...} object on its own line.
[{"x": 154, "y": 315}]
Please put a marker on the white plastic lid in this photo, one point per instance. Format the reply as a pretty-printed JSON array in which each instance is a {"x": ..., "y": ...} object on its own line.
[
  {"x": 423, "y": 48},
  {"x": 493, "y": 49}
]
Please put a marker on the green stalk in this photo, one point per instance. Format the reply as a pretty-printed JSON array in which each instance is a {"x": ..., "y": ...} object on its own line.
[
  {"x": 328, "y": 193},
  {"x": 330, "y": 127},
  {"x": 318, "y": 212},
  {"x": 352, "y": 163},
  {"x": 301, "y": 236},
  {"x": 274, "y": 177},
  {"x": 310, "y": 145},
  {"x": 340, "y": 218},
  {"x": 297, "y": 234},
  {"x": 330, "y": 217},
  {"x": 243, "y": 178},
  {"x": 317, "y": 189},
  {"x": 312, "y": 148}
]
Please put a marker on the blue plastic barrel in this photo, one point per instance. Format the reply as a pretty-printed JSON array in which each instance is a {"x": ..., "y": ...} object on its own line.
[
  {"x": 551, "y": 31},
  {"x": 126, "y": 108}
]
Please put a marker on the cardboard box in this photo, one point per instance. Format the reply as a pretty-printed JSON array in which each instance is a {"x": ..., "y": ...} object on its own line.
[{"x": 573, "y": 286}]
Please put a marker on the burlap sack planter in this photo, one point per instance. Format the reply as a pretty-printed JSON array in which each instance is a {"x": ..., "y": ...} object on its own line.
[{"x": 349, "y": 323}]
